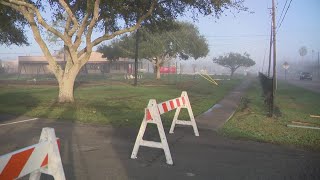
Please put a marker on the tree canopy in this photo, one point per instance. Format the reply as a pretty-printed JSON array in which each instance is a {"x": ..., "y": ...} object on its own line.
[
  {"x": 184, "y": 41},
  {"x": 12, "y": 27},
  {"x": 234, "y": 60},
  {"x": 109, "y": 18},
  {"x": 303, "y": 51},
  {"x": 112, "y": 52}
]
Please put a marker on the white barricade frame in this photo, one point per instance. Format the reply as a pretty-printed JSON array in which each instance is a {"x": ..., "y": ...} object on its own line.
[
  {"x": 192, "y": 121},
  {"x": 152, "y": 115},
  {"x": 43, "y": 157},
  {"x": 152, "y": 112}
]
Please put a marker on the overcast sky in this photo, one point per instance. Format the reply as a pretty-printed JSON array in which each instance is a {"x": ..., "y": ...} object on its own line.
[
  {"x": 250, "y": 33},
  {"x": 244, "y": 32}
]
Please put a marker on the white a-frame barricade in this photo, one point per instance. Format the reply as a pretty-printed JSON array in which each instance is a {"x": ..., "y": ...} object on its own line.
[
  {"x": 185, "y": 104},
  {"x": 43, "y": 157},
  {"x": 152, "y": 115}
]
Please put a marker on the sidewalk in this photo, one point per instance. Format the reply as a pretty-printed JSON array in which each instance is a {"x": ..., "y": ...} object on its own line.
[
  {"x": 94, "y": 152},
  {"x": 221, "y": 112}
]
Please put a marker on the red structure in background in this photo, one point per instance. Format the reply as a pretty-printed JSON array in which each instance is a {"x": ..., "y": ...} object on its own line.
[{"x": 168, "y": 70}]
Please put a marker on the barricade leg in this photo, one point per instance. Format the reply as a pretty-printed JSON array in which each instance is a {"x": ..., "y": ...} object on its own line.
[
  {"x": 35, "y": 175},
  {"x": 54, "y": 167},
  {"x": 175, "y": 118},
  {"x": 192, "y": 121},
  {"x": 139, "y": 139},
  {"x": 152, "y": 116},
  {"x": 164, "y": 143}
]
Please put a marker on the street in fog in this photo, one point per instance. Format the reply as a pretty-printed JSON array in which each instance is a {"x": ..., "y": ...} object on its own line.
[{"x": 313, "y": 85}]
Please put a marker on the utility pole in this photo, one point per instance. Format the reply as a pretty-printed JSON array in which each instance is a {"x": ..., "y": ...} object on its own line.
[
  {"x": 136, "y": 58},
  {"x": 318, "y": 66},
  {"x": 270, "y": 50},
  {"x": 274, "y": 48},
  {"x": 274, "y": 78}
]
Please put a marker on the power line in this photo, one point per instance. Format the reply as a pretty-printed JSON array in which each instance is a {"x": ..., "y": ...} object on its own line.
[
  {"x": 284, "y": 15},
  {"x": 233, "y": 36},
  {"x": 283, "y": 10}
]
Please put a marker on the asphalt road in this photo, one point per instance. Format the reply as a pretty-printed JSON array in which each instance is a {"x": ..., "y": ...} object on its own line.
[
  {"x": 103, "y": 152},
  {"x": 307, "y": 84}
]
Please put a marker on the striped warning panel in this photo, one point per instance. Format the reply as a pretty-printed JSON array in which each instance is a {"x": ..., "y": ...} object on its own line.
[
  {"x": 171, "y": 105},
  {"x": 148, "y": 115},
  {"x": 24, "y": 161},
  {"x": 167, "y": 106}
]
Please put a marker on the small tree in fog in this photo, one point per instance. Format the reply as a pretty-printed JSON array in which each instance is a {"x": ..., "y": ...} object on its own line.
[
  {"x": 2, "y": 70},
  {"x": 234, "y": 60},
  {"x": 303, "y": 51},
  {"x": 160, "y": 46}
]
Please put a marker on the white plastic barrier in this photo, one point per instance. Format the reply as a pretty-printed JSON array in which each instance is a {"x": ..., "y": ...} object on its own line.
[
  {"x": 43, "y": 157},
  {"x": 127, "y": 76},
  {"x": 152, "y": 115}
]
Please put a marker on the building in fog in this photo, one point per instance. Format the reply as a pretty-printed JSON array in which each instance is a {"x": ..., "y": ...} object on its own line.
[
  {"x": 10, "y": 66},
  {"x": 37, "y": 65}
]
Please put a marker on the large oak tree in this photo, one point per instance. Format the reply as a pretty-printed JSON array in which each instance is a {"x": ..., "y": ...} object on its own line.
[{"x": 109, "y": 18}]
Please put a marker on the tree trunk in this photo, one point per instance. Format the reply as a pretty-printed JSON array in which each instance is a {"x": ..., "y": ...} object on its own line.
[
  {"x": 158, "y": 72},
  {"x": 154, "y": 69},
  {"x": 232, "y": 72},
  {"x": 157, "y": 64},
  {"x": 66, "y": 87}
]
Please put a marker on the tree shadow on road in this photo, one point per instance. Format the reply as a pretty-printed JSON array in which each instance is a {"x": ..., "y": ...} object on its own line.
[{"x": 20, "y": 135}]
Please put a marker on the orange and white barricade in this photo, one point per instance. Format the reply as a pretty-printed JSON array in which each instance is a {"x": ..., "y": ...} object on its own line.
[
  {"x": 152, "y": 115},
  {"x": 43, "y": 157}
]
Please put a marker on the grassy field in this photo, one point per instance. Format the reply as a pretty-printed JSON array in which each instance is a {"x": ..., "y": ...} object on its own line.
[
  {"x": 113, "y": 101},
  {"x": 295, "y": 104}
]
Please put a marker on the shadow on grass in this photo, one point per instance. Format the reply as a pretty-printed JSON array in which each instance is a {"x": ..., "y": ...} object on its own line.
[{"x": 16, "y": 104}]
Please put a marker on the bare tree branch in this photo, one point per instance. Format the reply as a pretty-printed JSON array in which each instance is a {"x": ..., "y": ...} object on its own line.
[
  {"x": 40, "y": 19},
  {"x": 119, "y": 32},
  {"x": 68, "y": 24},
  {"x": 129, "y": 29},
  {"x": 83, "y": 26},
  {"x": 93, "y": 22},
  {"x": 31, "y": 19},
  {"x": 72, "y": 16}
]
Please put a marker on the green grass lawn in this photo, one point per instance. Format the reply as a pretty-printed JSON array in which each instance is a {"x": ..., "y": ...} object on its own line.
[
  {"x": 116, "y": 102},
  {"x": 294, "y": 103}
]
